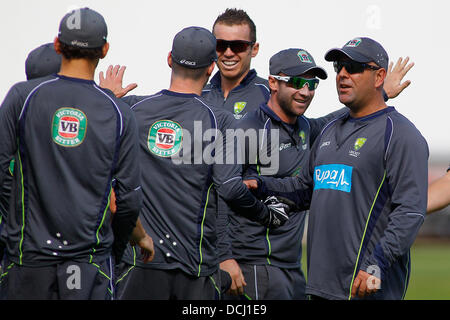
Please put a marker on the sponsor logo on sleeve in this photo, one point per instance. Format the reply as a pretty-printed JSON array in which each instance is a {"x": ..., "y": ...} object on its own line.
[
  {"x": 334, "y": 177},
  {"x": 165, "y": 138},
  {"x": 69, "y": 127},
  {"x": 324, "y": 144}
]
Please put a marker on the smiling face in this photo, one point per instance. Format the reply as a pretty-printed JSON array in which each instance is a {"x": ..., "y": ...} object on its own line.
[
  {"x": 234, "y": 66},
  {"x": 290, "y": 103}
]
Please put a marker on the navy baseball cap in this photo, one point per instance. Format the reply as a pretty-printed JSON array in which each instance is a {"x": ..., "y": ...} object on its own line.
[
  {"x": 194, "y": 47},
  {"x": 42, "y": 62},
  {"x": 361, "y": 50},
  {"x": 83, "y": 28},
  {"x": 295, "y": 62}
]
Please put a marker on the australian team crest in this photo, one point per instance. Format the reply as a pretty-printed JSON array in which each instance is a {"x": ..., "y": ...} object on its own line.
[
  {"x": 165, "y": 138},
  {"x": 302, "y": 136},
  {"x": 353, "y": 43},
  {"x": 239, "y": 106},
  {"x": 69, "y": 127},
  {"x": 359, "y": 143},
  {"x": 304, "y": 56}
]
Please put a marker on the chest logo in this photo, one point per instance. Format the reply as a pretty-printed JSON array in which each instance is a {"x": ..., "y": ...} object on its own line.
[
  {"x": 239, "y": 106},
  {"x": 302, "y": 136},
  {"x": 165, "y": 138},
  {"x": 359, "y": 143},
  {"x": 69, "y": 127},
  {"x": 333, "y": 176}
]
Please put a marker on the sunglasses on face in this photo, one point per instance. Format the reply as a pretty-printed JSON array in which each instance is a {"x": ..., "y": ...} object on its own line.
[
  {"x": 353, "y": 66},
  {"x": 298, "y": 82},
  {"x": 236, "y": 46}
]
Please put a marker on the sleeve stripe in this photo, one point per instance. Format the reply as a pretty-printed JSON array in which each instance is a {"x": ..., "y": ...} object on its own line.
[
  {"x": 148, "y": 98},
  {"x": 115, "y": 105},
  {"x": 32, "y": 92}
]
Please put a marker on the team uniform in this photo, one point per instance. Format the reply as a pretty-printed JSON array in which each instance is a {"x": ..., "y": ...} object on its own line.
[
  {"x": 366, "y": 184},
  {"x": 181, "y": 204},
  {"x": 271, "y": 258},
  {"x": 245, "y": 98},
  {"x": 60, "y": 237}
]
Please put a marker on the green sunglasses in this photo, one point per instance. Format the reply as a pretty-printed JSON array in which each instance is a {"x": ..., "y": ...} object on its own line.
[{"x": 299, "y": 82}]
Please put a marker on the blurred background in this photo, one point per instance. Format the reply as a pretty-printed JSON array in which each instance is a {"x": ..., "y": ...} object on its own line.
[{"x": 141, "y": 33}]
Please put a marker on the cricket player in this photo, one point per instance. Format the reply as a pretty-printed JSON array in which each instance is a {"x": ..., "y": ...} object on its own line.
[
  {"x": 70, "y": 139},
  {"x": 236, "y": 87},
  {"x": 365, "y": 185},
  {"x": 179, "y": 135}
]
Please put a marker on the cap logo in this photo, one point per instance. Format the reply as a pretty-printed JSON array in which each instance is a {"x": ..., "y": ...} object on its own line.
[
  {"x": 353, "y": 43},
  {"x": 77, "y": 43},
  {"x": 69, "y": 127},
  {"x": 188, "y": 63},
  {"x": 165, "y": 138},
  {"x": 304, "y": 56},
  {"x": 74, "y": 20}
]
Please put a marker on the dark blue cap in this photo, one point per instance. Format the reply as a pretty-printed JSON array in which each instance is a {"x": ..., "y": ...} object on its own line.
[
  {"x": 194, "y": 47},
  {"x": 361, "y": 50},
  {"x": 42, "y": 62},
  {"x": 295, "y": 62},
  {"x": 83, "y": 28}
]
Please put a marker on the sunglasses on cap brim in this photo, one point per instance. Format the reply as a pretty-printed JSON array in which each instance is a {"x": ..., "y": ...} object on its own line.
[
  {"x": 353, "y": 66},
  {"x": 299, "y": 82},
  {"x": 236, "y": 46}
]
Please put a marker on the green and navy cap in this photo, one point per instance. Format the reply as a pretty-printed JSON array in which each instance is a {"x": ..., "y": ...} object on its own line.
[
  {"x": 362, "y": 50},
  {"x": 295, "y": 62}
]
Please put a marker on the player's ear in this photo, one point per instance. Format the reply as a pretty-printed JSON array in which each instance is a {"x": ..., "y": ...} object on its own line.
[
  {"x": 211, "y": 68},
  {"x": 273, "y": 84},
  {"x": 105, "y": 49},
  {"x": 255, "y": 49},
  {"x": 380, "y": 75},
  {"x": 57, "y": 45},
  {"x": 169, "y": 59}
]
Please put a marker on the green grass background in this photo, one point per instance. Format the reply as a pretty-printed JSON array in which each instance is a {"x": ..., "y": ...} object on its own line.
[{"x": 430, "y": 270}]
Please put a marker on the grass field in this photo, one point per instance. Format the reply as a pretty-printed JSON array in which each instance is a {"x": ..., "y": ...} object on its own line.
[{"x": 430, "y": 271}]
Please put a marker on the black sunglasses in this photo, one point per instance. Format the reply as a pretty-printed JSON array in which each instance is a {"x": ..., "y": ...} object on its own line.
[
  {"x": 236, "y": 46},
  {"x": 353, "y": 66}
]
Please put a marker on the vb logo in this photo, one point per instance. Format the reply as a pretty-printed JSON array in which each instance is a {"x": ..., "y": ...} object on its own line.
[
  {"x": 165, "y": 138},
  {"x": 74, "y": 279},
  {"x": 69, "y": 127}
]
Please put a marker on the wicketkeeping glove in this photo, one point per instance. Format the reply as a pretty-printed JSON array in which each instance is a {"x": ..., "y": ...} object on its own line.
[{"x": 278, "y": 212}]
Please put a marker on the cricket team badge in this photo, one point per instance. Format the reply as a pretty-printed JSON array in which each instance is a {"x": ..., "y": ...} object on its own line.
[
  {"x": 302, "y": 136},
  {"x": 165, "y": 138},
  {"x": 69, "y": 127},
  {"x": 239, "y": 106},
  {"x": 304, "y": 56},
  {"x": 359, "y": 143},
  {"x": 353, "y": 43}
]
